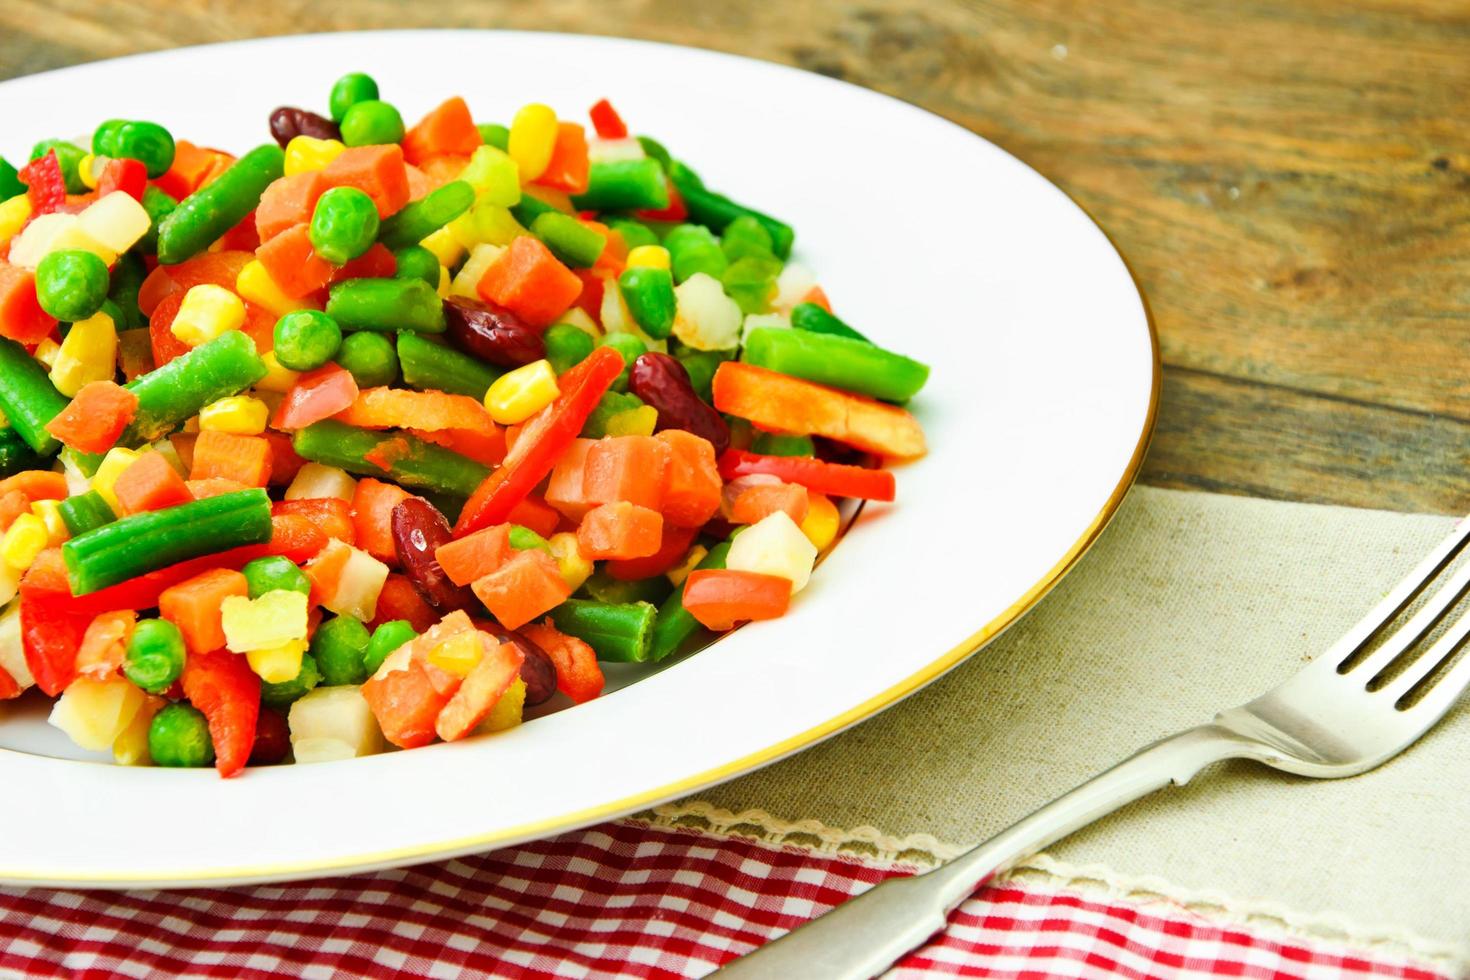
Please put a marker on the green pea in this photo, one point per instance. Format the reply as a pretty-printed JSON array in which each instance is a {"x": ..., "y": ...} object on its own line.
[
  {"x": 370, "y": 123},
  {"x": 745, "y": 236},
  {"x": 630, "y": 347},
  {"x": 417, "y": 262},
  {"x": 179, "y": 737},
  {"x": 147, "y": 142},
  {"x": 751, "y": 282},
  {"x": 370, "y": 359},
  {"x": 350, "y": 89},
  {"x": 104, "y": 138},
  {"x": 344, "y": 225},
  {"x": 71, "y": 284},
  {"x": 284, "y": 692},
  {"x": 386, "y": 638},
  {"x": 339, "y": 647},
  {"x": 274, "y": 573},
  {"x": 566, "y": 345},
  {"x": 306, "y": 339},
  {"x": 494, "y": 134},
  {"x": 155, "y": 655},
  {"x": 611, "y": 403},
  {"x": 68, "y": 155}
]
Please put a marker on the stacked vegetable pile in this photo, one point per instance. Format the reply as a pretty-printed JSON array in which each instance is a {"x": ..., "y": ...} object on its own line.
[{"x": 387, "y": 433}]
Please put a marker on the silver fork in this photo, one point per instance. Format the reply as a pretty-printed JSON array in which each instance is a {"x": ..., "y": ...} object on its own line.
[{"x": 1344, "y": 713}]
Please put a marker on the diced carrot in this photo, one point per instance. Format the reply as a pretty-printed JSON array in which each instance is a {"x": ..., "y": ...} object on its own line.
[
  {"x": 448, "y": 128},
  {"x": 215, "y": 486},
  {"x": 475, "y": 555},
  {"x": 761, "y": 501},
  {"x": 96, "y": 417},
  {"x": 719, "y": 598},
  {"x": 535, "y": 513},
  {"x": 284, "y": 462},
  {"x": 183, "y": 443},
  {"x": 288, "y": 202},
  {"x": 419, "y": 184},
  {"x": 404, "y": 700},
  {"x": 498, "y": 668},
  {"x": 566, "y": 490},
  {"x": 607, "y": 122},
  {"x": 293, "y": 264},
  {"x": 372, "y": 517},
  {"x": 260, "y": 327},
  {"x": 569, "y": 165},
  {"x": 387, "y": 452},
  {"x": 529, "y": 281},
  {"x": 631, "y": 468},
  {"x": 245, "y": 459},
  {"x": 377, "y": 170},
  {"x": 400, "y": 600},
  {"x": 671, "y": 550},
  {"x": 376, "y": 263},
  {"x": 620, "y": 530},
  {"x": 332, "y": 515},
  {"x": 13, "y": 503},
  {"x": 483, "y": 446},
  {"x": 441, "y": 169},
  {"x": 104, "y": 645},
  {"x": 577, "y": 674},
  {"x": 36, "y": 484},
  {"x": 21, "y": 316},
  {"x": 614, "y": 257},
  {"x": 242, "y": 236},
  {"x": 818, "y": 296},
  {"x": 150, "y": 483},
  {"x": 526, "y": 586},
  {"x": 193, "y": 606},
  {"x": 192, "y": 167},
  {"x": 402, "y": 408}
]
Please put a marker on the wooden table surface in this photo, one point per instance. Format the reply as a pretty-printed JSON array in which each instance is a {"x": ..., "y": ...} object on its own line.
[{"x": 1289, "y": 180}]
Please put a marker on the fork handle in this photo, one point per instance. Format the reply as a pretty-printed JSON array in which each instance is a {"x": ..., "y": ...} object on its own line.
[{"x": 865, "y": 935}]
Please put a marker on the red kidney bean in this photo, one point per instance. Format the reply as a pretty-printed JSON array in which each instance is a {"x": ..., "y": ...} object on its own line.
[
  {"x": 288, "y": 122},
  {"x": 661, "y": 381},
  {"x": 491, "y": 333},
  {"x": 537, "y": 670},
  {"x": 272, "y": 738},
  {"x": 418, "y": 529}
]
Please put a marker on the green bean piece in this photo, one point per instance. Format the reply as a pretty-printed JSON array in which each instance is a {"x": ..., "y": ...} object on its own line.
[
  {"x": 656, "y": 150},
  {"x": 178, "y": 737},
  {"x": 127, "y": 277},
  {"x": 616, "y": 631},
  {"x": 525, "y": 539},
  {"x": 416, "y": 463},
  {"x": 84, "y": 463},
  {"x": 694, "y": 249},
  {"x": 169, "y": 395},
  {"x": 715, "y": 211},
  {"x": 27, "y": 397},
  {"x": 604, "y": 588},
  {"x": 386, "y": 304},
  {"x": 274, "y": 573},
  {"x": 566, "y": 345},
  {"x": 155, "y": 655},
  {"x": 702, "y": 365},
  {"x": 68, "y": 156},
  {"x": 530, "y": 208},
  {"x": 282, "y": 693},
  {"x": 306, "y": 339},
  {"x": 371, "y": 122},
  {"x": 649, "y": 293},
  {"x": 681, "y": 172},
  {"x": 569, "y": 239},
  {"x": 370, "y": 359},
  {"x": 71, "y": 284},
  {"x": 494, "y": 134},
  {"x": 159, "y": 205},
  {"x": 745, "y": 237},
  {"x": 814, "y": 319},
  {"x": 386, "y": 638},
  {"x": 851, "y": 365},
  {"x": 85, "y": 512},
  {"x": 347, "y": 91},
  {"x": 140, "y": 543},
  {"x": 10, "y": 182},
  {"x": 624, "y": 185},
  {"x": 427, "y": 215},
  {"x": 339, "y": 647},
  {"x": 205, "y": 215},
  {"x": 674, "y": 624},
  {"x": 634, "y": 232},
  {"x": 417, "y": 262},
  {"x": 15, "y": 455},
  {"x": 344, "y": 224},
  {"x": 147, "y": 142},
  {"x": 429, "y": 367},
  {"x": 611, "y": 403},
  {"x": 781, "y": 444}
]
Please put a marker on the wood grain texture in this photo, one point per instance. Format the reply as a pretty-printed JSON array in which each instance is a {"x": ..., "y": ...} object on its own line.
[{"x": 1290, "y": 182}]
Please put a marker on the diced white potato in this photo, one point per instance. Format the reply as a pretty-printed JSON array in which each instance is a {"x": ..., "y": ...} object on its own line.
[
  {"x": 333, "y": 714},
  {"x": 774, "y": 545},
  {"x": 577, "y": 317},
  {"x": 316, "y": 480},
  {"x": 706, "y": 319},
  {"x": 599, "y": 151},
  {"x": 12, "y": 652},
  {"x": 613, "y": 313},
  {"x": 117, "y": 221},
  {"x": 754, "y": 321},
  {"x": 792, "y": 285},
  {"x": 269, "y": 622},
  {"x": 130, "y": 748},
  {"x": 310, "y": 750},
  {"x": 32, "y": 245},
  {"x": 94, "y": 713},
  {"x": 359, "y": 584},
  {"x": 473, "y": 270}
]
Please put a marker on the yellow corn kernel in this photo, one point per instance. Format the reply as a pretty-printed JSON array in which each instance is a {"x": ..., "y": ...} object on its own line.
[
  {"x": 26, "y": 538},
  {"x": 463, "y": 230},
  {"x": 532, "y": 138},
  {"x": 679, "y": 574},
  {"x": 445, "y": 245},
  {"x": 46, "y": 352},
  {"x": 307, "y": 153},
  {"x": 820, "y": 524},
  {"x": 444, "y": 282},
  {"x": 278, "y": 379},
  {"x": 633, "y": 422},
  {"x": 88, "y": 170},
  {"x": 519, "y": 394},
  {"x": 255, "y": 284},
  {"x": 458, "y": 654},
  {"x": 569, "y": 561},
  {"x": 89, "y": 353},
  {"x": 648, "y": 257},
  {"x": 278, "y": 664},
  {"x": 467, "y": 280},
  {"x": 14, "y": 213},
  {"x": 207, "y": 312},
  {"x": 240, "y": 414},
  {"x": 49, "y": 511},
  {"x": 117, "y": 221},
  {"x": 111, "y": 467},
  {"x": 130, "y": 748},
  {"x": 507, "y": 711}
]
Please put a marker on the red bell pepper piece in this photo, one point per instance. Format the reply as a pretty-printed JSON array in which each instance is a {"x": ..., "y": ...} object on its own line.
[
  {"x": 834, "y": 479},
  {"x": 607, "y": 122},
  {"x": 316, "y": 395},
  {"x": 126, "y": 175},
  {"x": 222, "y": 685},
  {"x": 8, "y": 687},
  {"x": 541, "y": 442},
  {"x": 719, "y": 597},
  {"x": 45, "y": 186},
  {"x": 671, "y": 550}
]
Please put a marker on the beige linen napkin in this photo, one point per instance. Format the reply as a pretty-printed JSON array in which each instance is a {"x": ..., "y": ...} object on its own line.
[{"x": 1190, "y": 602}]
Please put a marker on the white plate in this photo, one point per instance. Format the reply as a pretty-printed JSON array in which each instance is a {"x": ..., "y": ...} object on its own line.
[{"x": 928, "y": 238}]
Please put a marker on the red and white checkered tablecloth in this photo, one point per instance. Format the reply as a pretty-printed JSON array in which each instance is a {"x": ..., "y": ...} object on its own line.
[{"x": 619, "y": 900}]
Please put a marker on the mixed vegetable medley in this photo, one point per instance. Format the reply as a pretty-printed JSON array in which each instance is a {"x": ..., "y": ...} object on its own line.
[{"x": 385, "y": 433}]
